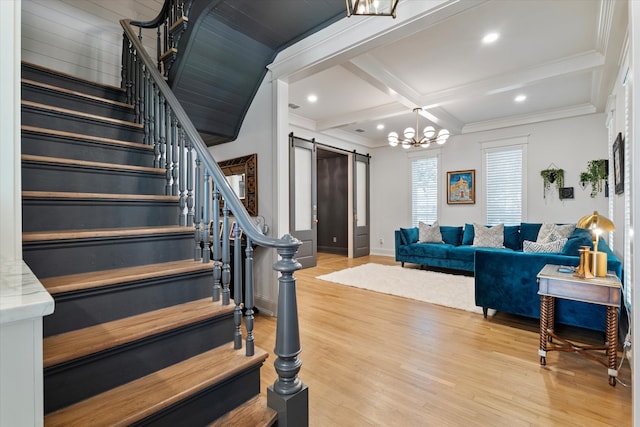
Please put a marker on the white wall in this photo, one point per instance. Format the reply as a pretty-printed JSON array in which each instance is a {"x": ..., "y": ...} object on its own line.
[
  {"x": 10, "y": 177},
  {"x": 256, "y": 136},
  {"x": 568, "y": 143},
  {"x": 82, "y": 37}
]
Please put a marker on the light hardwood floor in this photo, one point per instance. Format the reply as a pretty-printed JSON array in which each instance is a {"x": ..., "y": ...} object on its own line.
[{"x": 371, "y": 359}]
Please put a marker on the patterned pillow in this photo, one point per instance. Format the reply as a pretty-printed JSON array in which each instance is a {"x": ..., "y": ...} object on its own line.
[
  {"x": 552, "y": 232},
  {"x": 554, "y": 246},
  {"x": 429, "y": 233},
  {"x": 545, "y": 234},
  {"x": 488, "y": 237}
]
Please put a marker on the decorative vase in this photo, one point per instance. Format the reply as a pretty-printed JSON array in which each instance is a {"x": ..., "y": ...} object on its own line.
[{"x": 584, "y": 269}]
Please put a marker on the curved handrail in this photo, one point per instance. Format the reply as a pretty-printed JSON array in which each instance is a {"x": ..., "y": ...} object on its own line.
[
  {"x": 158, "y": 20},
  {"x": 240, "y": 212}
]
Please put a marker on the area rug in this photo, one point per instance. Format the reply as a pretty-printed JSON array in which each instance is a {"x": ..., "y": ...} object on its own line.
[{"x": 449, "y": 290}]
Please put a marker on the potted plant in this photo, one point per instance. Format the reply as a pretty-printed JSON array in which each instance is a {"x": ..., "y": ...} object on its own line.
[
  {"x": 597, "y": 172},
  {"x": 551, "y": 176}
]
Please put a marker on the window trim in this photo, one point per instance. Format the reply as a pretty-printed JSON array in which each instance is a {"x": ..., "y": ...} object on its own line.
[
  {"x": 426, "y": 154},
  {"x": 499, "y": 145}
]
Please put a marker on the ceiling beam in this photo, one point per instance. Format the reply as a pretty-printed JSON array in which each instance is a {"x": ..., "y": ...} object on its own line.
[{"x": 350, "y": 37}]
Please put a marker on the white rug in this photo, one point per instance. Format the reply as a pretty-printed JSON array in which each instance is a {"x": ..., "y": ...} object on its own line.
[{"x": 449, "y": 290}]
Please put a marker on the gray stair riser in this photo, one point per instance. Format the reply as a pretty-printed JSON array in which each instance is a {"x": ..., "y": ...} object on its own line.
[
  {"x": 69, "y": 101},
  {"x": 82, "y": 149},
  {"x": 48, "y": 119},
  {"x": 60, "y": 258},
  {"x": 72, "y": 214},
  {"x": 42, "y": 176},
  {"x": 80, "y": 379},
  {"x": 76, "y": 310},
  {"x": 51, "y": 77},
  {"x": 210, "y": 404}
]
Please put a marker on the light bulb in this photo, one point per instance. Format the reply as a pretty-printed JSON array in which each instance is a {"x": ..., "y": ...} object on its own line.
[
  {"x": 443, "y": 135},
  {"x": 429, "y": 132},
  {"x": 393, "y": 139},
  {"x": 409, "y": 133}
]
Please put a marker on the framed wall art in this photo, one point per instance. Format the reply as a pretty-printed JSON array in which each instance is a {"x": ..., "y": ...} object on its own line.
[
  {"x": 618, "y": 164},
  {"x": 461, "y": 187}
]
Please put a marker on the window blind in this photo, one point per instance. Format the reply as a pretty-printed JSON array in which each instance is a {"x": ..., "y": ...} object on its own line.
[
  {"x": 503, "y": 182},
  {"x": 424, "y": 190}
]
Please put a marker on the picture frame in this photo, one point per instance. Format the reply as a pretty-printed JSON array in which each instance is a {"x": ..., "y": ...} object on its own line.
[
  {"x": 565, "y": 193},
  {"x": 461, "y": 187},
  {"x": 235, "y": 229},
  {"x": 618, "y": 164}
]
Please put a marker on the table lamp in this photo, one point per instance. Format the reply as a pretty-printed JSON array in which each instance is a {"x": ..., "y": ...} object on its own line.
[{"x": 597, "y": 224}]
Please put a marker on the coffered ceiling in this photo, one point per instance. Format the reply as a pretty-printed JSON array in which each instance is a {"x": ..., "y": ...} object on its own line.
[{"x": 563, "y": 55}]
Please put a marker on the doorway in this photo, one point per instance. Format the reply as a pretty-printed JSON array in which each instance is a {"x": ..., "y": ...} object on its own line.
[{"x": 333, "y": 202}]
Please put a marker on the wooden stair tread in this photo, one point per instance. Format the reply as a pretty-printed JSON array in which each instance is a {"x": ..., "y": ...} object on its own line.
[
  {"x": 96, "y": 279},
  {"x": 83, "y": 342},
  {"x": 38, "y": 236},
  {"x": 138, "y": 399},
  {"x": 87, "y": 163},
  {"x": 254, "y": 412},
  {"x": 63, "y": 134},
  {"x": 82, "y": 114},
  {"x": 97, "y": 196},
  {"x": 75, "y": 93}
]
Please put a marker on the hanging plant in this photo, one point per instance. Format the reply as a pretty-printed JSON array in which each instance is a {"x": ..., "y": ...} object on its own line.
[
  {"x": 552, "y": 176},
  {"x": 597, "y": 172}
]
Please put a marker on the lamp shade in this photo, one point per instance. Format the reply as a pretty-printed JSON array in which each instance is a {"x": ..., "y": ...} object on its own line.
[
  {"x": 596, "y": 221},
  {"x": 429, "y": 132}
]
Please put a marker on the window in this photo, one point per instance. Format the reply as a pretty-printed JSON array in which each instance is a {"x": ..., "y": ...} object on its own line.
[
  {"x": 504, "y": 184},
  {"x": 424, "y": 190}
]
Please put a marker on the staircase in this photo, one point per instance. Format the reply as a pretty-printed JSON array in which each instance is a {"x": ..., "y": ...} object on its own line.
[{"x": 135, "y": 338}]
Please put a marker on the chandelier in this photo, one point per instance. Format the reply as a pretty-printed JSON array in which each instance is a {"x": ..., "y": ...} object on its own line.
[
  {"x": 409, "y": 136},
  {"x": 372, "y": 7}
]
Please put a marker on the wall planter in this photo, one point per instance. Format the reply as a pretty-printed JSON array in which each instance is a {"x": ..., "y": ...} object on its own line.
[
  {"x": 597, "y": 172},
  {"x": 552, "y": 176}
]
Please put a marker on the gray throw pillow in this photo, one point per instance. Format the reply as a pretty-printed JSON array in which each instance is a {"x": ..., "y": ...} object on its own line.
[
  {"x": 554, "y": 246},
  {"x": 488, "y": 237},
  {"x": 429, "y": 233}
]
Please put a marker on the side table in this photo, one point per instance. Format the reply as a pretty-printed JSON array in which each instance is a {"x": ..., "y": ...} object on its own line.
[{"x": 604, "y": 291}]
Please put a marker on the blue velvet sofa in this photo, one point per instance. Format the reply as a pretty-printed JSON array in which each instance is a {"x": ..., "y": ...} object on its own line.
[{"x": 505, "y": 278}]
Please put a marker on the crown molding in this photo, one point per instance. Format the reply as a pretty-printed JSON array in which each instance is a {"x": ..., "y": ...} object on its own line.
[{"x": 563, "y": 113}]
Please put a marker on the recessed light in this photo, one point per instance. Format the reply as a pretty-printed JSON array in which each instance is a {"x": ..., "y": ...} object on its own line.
[
  {"x": 520, "y": 98},
  {"x": 490, "y": 38},
  {"x": 312, "y": 98},
  {"x": 380, "y": 126}
]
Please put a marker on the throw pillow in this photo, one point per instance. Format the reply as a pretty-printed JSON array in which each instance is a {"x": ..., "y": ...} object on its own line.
[
  {"x": 553, "y": 247},
  {"x": 529, "y": 231},
  {"x": 552, "y": 232},
  {"x": 512, "y": 237},
  {"x": 467, "y": 235},
  {"x": 451, "y": 235},
  {"x": 408, "y": 235},
  {"x": 429, "y": 233},
  {"x": 580, "y": 237},
  {"x": 546, "y": 233},
  {"x": 563, "y": 231},
  {"x": 488, "y": 237}
]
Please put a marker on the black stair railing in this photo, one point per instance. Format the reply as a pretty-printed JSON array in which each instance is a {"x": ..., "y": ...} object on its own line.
[{"x": 207, "y": 201}]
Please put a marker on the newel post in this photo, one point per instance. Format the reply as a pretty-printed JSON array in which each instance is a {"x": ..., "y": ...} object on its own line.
[{"x": 288, "y": 395}]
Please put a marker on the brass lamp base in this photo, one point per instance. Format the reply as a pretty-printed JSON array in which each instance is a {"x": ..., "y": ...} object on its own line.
[
  {"x": 585, "y": 266},
  {"x": 592, "y": 264}
]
